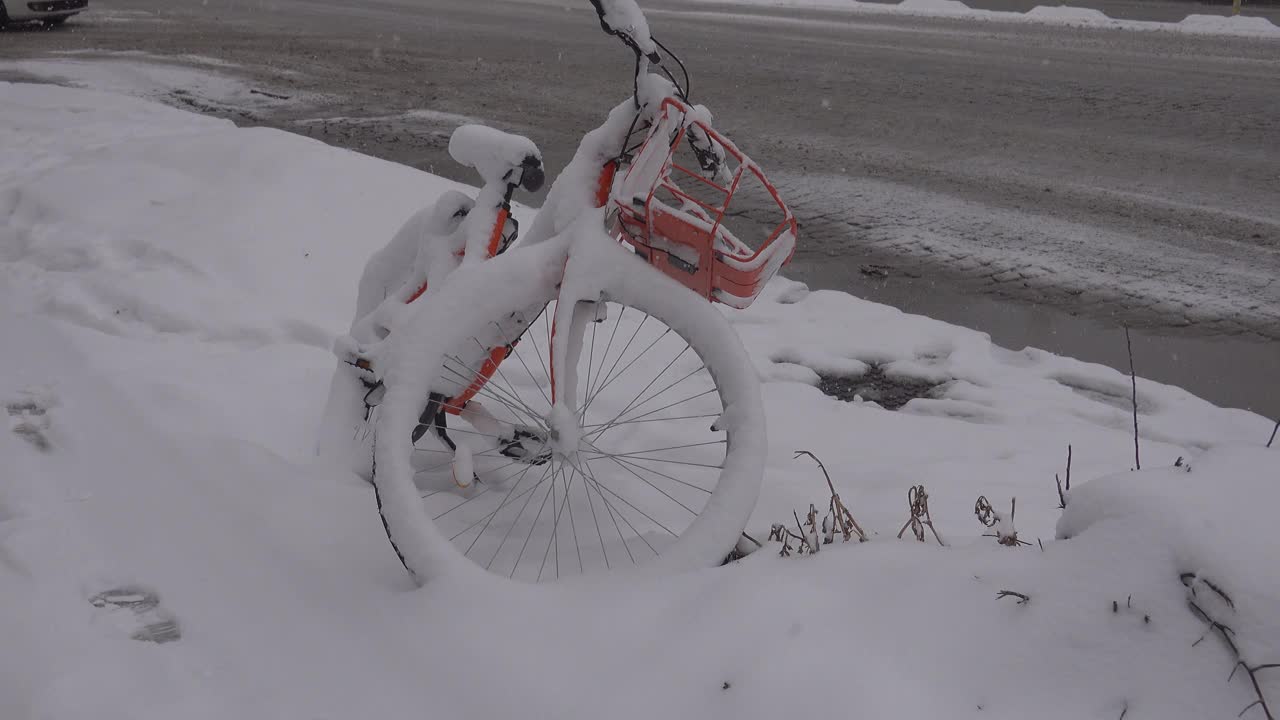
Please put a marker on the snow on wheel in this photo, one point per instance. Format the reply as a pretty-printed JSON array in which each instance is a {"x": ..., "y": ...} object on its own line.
[{"x": 659, "y": 475}]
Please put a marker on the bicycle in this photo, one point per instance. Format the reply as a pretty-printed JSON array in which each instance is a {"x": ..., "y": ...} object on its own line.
[{"x": 538, "y": 355}]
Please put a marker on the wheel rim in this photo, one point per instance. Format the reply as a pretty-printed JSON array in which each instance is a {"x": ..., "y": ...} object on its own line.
[{"x": 648, "y": 459}]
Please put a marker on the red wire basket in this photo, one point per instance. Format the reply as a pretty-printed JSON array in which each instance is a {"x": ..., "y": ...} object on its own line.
[{"x": 675, "y": 217}]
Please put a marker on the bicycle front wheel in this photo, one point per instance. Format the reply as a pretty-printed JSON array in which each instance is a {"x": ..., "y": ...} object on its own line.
[{"x": 669, "y": 456}]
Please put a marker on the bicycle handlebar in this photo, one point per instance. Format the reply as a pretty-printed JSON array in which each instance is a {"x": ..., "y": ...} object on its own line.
[{"x": 625, "y": 20}]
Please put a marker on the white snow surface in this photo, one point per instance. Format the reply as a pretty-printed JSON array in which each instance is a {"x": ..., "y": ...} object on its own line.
[
  {"x": 188, "y": 79},
  {"x": 170, "y": 286},
  {"x": 1240, "y": 25}
]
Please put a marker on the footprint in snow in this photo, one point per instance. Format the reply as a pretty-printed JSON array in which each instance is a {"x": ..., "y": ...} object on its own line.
[
  {"x": 137, "y": 610},
  {"x": 29, "y": 417}
]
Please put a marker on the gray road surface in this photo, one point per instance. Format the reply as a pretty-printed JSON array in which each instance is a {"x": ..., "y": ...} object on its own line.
[{"x": 1045, "y": 184}]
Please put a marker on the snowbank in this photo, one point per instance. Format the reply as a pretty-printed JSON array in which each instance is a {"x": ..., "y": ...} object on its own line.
[
  {"x": 1043, "y": 14},
  {"x": 169, "y": 286},
  {"x": 190, "y": 80}
]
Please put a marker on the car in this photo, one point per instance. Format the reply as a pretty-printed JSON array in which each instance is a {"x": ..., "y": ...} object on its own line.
[{"x": 50, "y": 12}]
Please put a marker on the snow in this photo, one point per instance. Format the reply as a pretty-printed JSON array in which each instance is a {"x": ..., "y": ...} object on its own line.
[
  {"x": 492, "y": 153},
  {"x": 152, "y": 77},
  {"x": 423, "y": 251},
  {"x": 430, "y": 117},
  {"x": 1239, "y": 25},
  {"x": 1221, "y": 25},
  {"x": 626, "y": 17},
  {"x": 170, "y": 286}
]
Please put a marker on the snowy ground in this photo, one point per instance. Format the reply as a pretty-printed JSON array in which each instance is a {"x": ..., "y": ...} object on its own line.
[
  {"x": 1042, "y": 14},
  {"x": 169, "y": 287}
]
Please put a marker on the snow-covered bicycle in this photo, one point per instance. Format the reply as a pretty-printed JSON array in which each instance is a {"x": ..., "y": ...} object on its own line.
[{"x": 577, "y": 403}]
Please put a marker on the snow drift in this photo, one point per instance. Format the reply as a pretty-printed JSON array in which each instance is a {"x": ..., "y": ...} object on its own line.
[{"x": 169, "y": 287}]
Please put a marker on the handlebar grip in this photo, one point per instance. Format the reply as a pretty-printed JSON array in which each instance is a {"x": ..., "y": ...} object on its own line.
[{"x": 624, "y": 20}]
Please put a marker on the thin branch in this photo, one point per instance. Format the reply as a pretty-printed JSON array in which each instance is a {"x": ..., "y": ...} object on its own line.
[
  {"x": 843, "y": 518},
  {"x": 1061, "y": 492},
  {"x": 1022, "y": 599},
  {"x": 1133, "y": 379},
  {"x": 1191, "y": 580},
  {"x": 820, "y": 466},
  {"x": 1226, "y": 632},
  {"x": 1273, "y": 433},
  {"x": 803, "y": 538},
  {"x": 918, "y": 505}
]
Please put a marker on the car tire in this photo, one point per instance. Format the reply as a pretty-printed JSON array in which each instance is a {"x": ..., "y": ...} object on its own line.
[{"x": 4, "y": 17}]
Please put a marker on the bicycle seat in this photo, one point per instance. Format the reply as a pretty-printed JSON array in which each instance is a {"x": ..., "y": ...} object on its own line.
[{"x": 499, "y": 157}]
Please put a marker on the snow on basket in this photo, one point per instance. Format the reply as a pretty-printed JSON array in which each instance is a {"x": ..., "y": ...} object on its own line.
[{"x": 675, "y": 218}]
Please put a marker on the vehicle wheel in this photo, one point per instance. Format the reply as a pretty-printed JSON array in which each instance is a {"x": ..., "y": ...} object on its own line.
[
  {"x": 4, "y": 16},
  {"x": 655, "y": 479}
]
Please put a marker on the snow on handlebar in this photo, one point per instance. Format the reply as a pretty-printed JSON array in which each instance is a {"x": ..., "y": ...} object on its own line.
[
  {"x": 625, "y": 19},
  {"x": 497, "y": 156}
]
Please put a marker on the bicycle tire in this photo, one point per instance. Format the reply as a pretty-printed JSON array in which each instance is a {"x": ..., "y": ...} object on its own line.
[{"x": 503, "y": 305}]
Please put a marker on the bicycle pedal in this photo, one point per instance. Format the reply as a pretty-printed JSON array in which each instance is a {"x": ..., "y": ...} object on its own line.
[
  {"x": 515, "y": 447},
  {"x": 520, "y": 453}
]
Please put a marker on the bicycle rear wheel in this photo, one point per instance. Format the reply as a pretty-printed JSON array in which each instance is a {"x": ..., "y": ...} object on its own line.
[{"x": 660, "y": 476}]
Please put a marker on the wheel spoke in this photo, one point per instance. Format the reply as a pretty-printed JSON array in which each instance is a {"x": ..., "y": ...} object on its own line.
[
  {"x": 490, "y": 390},
  {"x": 573, "y": 526},
  {"x": 647, "y": 400},
  {"x": 520, "y": 357},
  {"x": 623, "y": 371},
  {"x": 464, "y": 502},
  {"x": 662, "y": 419},
  {"x": 489, "y": 518},
  {"x": 510, "y": 389},
  {"x": 555, "y": 524},
  {"x": 633, "y": 453},
  {"x": 596, "y": 433},
  {"x": 586, "y": 473},
  {"x": 603, "y": 358},
  {"x": 651, "y": 382},
  {"x": 596, "y": 520},
  {"x": 655, "y": 487},
  {"x": 533, "y": 526},
  {"x": 447, "y": 463},
  {"x": 533, "y": 338},
  {"x": 582, "y": 414},
  {"x": 631, "y": 462},
  {"x": 671, "y": 462},
  {"x": 608, "y": 376},
  {"x": 518, "y": 414},
  {"x": 633, "y": 507},
  {"x": 509, "y": 396},
  {"x": 517, "y": 518}
]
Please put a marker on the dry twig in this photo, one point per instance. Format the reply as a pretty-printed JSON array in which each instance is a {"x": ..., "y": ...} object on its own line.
[
  {"x": 780, "y": 533},
  {"x": 1022, "y": 598},
  {"x": 806, "y": 545},
  {"x": 1005, "y": 532},
  {"x": 1062, "y": 497},
  {"x": 843, "y": 519},
  {"x": 1191, "y": 580},
  {"x": 918, "y": 504},
  {"x": 1273, "y": 433},
  {"x": 276, "y": 96},
  {"x": 1133, "y": 378}
]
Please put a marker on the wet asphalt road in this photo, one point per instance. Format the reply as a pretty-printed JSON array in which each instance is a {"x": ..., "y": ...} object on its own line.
[{"x": 1044, "y": 184}]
